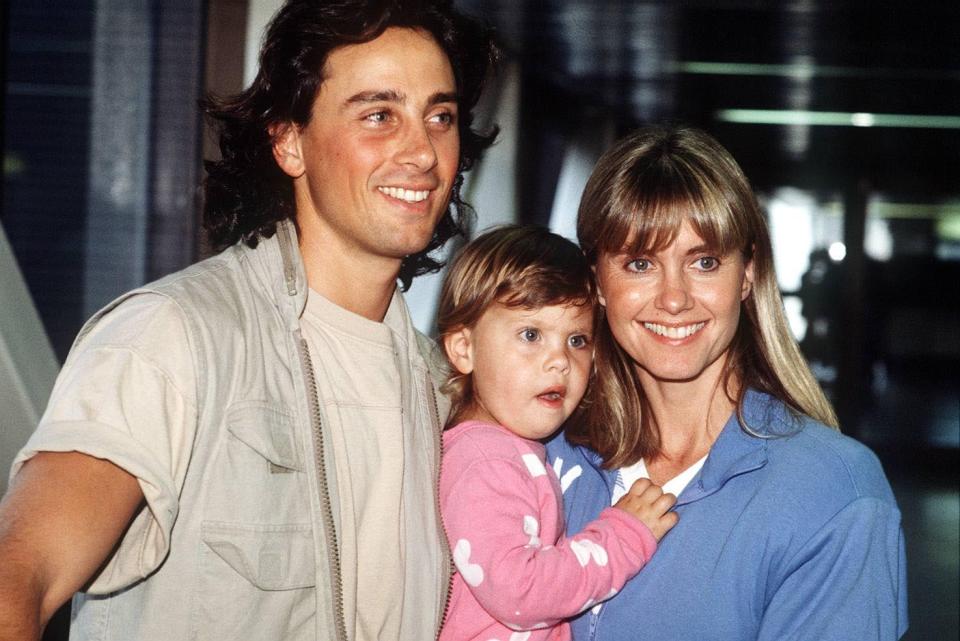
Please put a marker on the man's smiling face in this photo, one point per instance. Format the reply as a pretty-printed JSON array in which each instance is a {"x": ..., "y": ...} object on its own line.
[{"x": 375, "y": 165}]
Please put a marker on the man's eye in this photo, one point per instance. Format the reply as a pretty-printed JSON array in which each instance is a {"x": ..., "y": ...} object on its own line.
[
  {"x": 377, "y": 117},
  {"x": 443, "y": 120},
  {"x": 529, "y": 334}
]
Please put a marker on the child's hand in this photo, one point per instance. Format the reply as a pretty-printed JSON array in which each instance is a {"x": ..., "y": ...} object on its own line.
[{"x": 647, "y": 502}]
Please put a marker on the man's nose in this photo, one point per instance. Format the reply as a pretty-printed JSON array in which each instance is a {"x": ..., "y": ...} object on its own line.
[{"x": 416, "y": 149}]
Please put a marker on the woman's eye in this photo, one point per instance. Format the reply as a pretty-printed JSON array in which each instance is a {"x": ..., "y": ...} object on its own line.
[
  {"x": 579, "y": 341},
  {"x": 529, "y": 334},
  {"x": 707, "y": 263},
  {"x": 638, "y": 265}
]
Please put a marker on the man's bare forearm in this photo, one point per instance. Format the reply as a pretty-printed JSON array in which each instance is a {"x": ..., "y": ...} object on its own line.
[
  {"x": 21, "y": 618},
  {"x": 63, "y": 514}
]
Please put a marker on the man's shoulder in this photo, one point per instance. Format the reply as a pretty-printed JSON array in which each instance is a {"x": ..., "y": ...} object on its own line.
[
  {"x": 438, "y": 368},
  {"x": 431, "y": 352},
  {"x": 170, "y": 309},
  {"x": 141, "y": 320}
]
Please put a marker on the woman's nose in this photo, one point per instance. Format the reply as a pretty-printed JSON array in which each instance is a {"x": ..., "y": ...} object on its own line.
[{"x": 674, "y": 295}]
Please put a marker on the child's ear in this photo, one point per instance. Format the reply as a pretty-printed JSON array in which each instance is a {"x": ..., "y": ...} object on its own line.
[
  {"x": 459, "y": 349},
  {"x": 286, "y": 148}
]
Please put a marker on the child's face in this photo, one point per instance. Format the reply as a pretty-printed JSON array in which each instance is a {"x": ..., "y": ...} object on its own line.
[{"x": 529, "y": 367}]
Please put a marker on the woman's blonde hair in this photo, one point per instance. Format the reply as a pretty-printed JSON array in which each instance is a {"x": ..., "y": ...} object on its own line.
[
  {"x": 638, "y": 197},
  {"x": 516, "y": 266}
]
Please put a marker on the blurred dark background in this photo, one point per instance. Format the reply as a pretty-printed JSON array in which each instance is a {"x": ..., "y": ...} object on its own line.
[{"x": 845, "y": 115}]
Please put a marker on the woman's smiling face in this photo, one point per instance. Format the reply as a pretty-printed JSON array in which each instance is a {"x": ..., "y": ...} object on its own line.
[{"x": 674, "y": 311}]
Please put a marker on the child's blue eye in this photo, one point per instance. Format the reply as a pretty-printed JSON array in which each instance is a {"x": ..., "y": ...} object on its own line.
[
  {"x": 529, "y": 334},
  {"x": 578, "y": 341}
]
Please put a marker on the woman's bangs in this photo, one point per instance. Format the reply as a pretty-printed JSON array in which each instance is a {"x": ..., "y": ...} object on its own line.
[
  {"x": 715, "y": 222},
  {"x": 650, "y": 222}
]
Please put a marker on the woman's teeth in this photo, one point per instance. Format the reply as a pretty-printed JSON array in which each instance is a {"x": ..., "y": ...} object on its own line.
[
  {"x": 674, "y": 332},
  {"x": 406, "y": 195}
]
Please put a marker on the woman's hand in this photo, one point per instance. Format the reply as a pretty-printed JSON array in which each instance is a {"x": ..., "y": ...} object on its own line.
[{"x": 647, "y": 501}]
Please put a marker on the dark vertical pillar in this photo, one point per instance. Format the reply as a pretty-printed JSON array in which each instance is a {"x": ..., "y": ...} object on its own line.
[
  {"x": 542, "y": 140},
  {"x": 178, "y": 73},
  {"x": 226, "y": 32},
  {"x": 852, "y": 383},
  {"x": 116, "y": 231}
]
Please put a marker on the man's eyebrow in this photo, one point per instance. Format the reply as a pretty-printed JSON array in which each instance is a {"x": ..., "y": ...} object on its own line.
[
  {"x": 384, "y": 95},
  {"x": 441, "y": 97},
  {"x": 392, "y": 95}
]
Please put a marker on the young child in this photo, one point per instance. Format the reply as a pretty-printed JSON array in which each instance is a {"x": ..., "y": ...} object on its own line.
[{"x": 516, "y": 320}]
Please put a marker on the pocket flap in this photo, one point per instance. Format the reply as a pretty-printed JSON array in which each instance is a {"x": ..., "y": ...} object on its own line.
[
  {"x": 269, "y": 431},
  {"x": 271, "y": 557}
]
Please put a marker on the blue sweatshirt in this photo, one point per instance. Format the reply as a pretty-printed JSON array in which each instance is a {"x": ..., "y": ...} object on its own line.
[{"x": 793, "y": 536}]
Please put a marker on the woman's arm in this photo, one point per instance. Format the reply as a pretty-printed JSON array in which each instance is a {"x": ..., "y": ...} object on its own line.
[{"x": 848, "y": 581}]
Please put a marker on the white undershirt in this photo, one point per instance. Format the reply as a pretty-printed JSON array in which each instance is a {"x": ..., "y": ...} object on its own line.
[
  {"x": 358, "y": 375},
  {"x": 627, "y": 475}
]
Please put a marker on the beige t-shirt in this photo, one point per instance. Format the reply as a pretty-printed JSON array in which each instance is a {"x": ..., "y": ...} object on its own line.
[{"x": 357, "y": 370}]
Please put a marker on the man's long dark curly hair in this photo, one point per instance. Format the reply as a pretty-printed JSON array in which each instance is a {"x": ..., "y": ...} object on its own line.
[{"x": 246, "y": 192}]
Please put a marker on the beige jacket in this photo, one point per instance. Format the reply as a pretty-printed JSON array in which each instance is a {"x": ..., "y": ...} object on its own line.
[{"x": 238, "y": 539}]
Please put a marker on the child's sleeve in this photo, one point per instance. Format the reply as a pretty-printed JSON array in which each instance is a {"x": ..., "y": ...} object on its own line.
[{"x": 492, "y": 517}]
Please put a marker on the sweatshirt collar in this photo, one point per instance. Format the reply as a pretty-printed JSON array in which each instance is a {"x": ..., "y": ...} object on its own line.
[
  {"x": 742, "y": 445},
  {"x": 740, "y": 448}
]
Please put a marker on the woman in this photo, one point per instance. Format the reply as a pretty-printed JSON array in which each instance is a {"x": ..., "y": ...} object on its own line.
[{"x": 788, "y": 530}]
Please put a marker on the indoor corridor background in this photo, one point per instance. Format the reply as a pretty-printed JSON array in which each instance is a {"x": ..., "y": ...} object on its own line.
[{"x": 845, "y": 115}]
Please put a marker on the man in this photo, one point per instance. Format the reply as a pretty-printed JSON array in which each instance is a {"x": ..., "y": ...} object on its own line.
[{"x": 249, "y": 449}]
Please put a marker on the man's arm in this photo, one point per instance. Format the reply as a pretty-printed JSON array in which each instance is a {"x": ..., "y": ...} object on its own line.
[{"x": 62, "y": 516}]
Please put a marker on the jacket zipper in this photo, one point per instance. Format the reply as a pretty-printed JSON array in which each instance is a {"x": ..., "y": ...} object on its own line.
[
  {"x": 438, "y": 436},
  {"x": 336, "y": 581}
]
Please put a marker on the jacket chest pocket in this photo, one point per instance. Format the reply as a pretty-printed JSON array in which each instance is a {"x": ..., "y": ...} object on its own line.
[
  {"x": 257, "y": 582},
  {"x": 257, "y": 474},
  {"x": 258, "y": 567}
]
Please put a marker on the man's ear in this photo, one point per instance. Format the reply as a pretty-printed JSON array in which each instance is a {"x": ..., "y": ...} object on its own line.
[
  {"x": 287, "y": 149},
  {"x": 459, "y": 348}
]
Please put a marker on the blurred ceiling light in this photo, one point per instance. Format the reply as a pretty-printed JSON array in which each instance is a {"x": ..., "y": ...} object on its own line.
[
  {"x": 836, "y": 118},
  {"x": 837, "y": 251},
  {"x": 806, "y": 69}
]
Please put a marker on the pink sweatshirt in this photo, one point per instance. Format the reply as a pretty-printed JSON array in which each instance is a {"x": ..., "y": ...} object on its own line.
[{"x": 518, "y": 576}]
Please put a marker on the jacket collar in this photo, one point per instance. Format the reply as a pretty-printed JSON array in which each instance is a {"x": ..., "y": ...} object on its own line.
[{"x": 279, "y": 270}]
